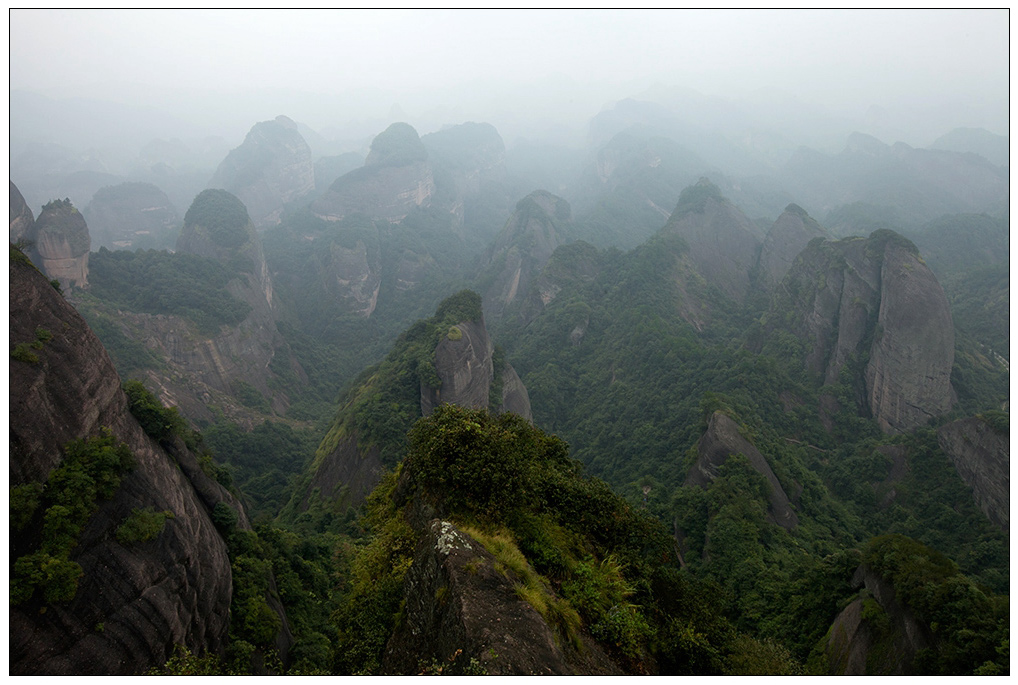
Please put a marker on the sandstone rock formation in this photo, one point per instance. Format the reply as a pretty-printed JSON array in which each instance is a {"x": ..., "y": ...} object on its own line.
[
  {"x": 460, "y": 607},
  {"x": 982, "y": 457},
  {"x": 271, "y": 168},
  {"x": 395, "y": 178},
  {"x": 856, "y": 647},
  {"x": 132, "y": 216},
  {"x": 348, "y": 467},
  {"x": 785, "y": 240},
  {"x": 721, "y": 241},
  {"x": 464, "y": 364},
  {"x": 522, "y": 249},
  {"x": 60, "y": 244},
  {"x": 22, "y": 218},
  {"x": 722, "y": 440},
  {"x": 873, "y": 302},
  {"x": 134, "y": 602},
  {"x": 199, "y": 368}
]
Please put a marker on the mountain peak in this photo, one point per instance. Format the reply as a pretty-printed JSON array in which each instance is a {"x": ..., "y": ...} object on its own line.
[{"x": 397, "y": 145}]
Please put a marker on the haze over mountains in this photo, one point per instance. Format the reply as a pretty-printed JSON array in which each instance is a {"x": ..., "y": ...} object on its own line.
[{"x": 675, "y": 382}]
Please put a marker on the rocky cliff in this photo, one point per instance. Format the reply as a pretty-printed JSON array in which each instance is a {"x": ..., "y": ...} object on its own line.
[
  {"x": 60, "y": 244},
  {"x": 723, "y": 439},
  {"x": 721, "y": 241},
  {"x": 875, "y": 634},
  {"x": 395, "y": 178},
  {"x": 522, "y": 248},
  {"x": 132, "y": 216},
  {"x": 22, "y": 219},
  {"x": 460, "y": 369},
  {"x": 785, "y": 240},
  {"x": 134, "y": 601},
  {"x": 460, "y": 607},
  {"x": 874, "y": 305},
  {"x": 271, "y": 168},
  {"x": 229, "y": 367},
  {"x": 982, "y": 457},
  {"x": 465, "y": 370}
]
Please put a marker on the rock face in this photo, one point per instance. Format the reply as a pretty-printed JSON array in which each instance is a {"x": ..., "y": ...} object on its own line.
[
  {"x": 22, "y": 219},
  {"x": 395, "y": 178},
  {"x": 353, "y": 272},
  {"x": 875, "y": 300},
  {"x": 460, "y": 607},
  {"x": 60, "y": 244},
  {"x": 132, "y": 216},
  {"x": 270, "y": 168},
  {"x": 721, "y": 241},
  {"x": 347, "y": 470},
  {"x": 200, "y": 369},
  {"x": 982, "y": 458},
  {"x": 854, "y": 640},
  {"x": 722, "y": 440},
  {"x": 522, "y": 249},
  {"x": 785, "y": 240},
  {"x": 134, "y": 601},
  {"x": 464, "y": 363}
]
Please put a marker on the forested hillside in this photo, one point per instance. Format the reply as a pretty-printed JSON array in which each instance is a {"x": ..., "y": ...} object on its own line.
[{"x": 695, "y": 409}]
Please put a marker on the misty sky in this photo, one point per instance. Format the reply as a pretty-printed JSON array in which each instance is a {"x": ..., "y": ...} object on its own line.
[{"x": 476, "y": 64}]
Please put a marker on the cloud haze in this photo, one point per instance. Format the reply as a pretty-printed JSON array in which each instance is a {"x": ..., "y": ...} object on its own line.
[{"x": 927, "y": 70}]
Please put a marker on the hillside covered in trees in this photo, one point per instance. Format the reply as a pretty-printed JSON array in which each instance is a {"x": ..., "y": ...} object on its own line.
[{"x": 440, "y": 415}]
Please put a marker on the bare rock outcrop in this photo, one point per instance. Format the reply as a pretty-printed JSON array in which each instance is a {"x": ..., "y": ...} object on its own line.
[
  {"x": 471, "y": 159},
  {"x": 722, "y": 440},
  {"x": 271, "y": 168},
  {"x": 721, "y": 241},
  {"x": 60, "y": 244},
  {"x": 132, "y": 216},
  {"x": 785, "y": 240},
  {"x": 134, "y": 601},
  {"x": 873, "y": 302},
  {"x": 460, "y": 607},
  {"x": 22, "y": 218},
  {"x": 230, "y": 366},
  {"x": 395, "y": 178},
  {"x": 347, "y": 467},
  {"x": 875, "y": 624},
  {"x": 982, "y": 457},
  {"x": 522, "y": 249}
]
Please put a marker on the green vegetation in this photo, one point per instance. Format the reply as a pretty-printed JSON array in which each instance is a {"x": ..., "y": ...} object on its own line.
[
  {"x": 89, "y": 472},
  {"x": 154, "y": 282},
  {"x": 142, "y": 525},
  {"x": 222, "y": 216},
  {"x": 22, "y": 352},
  {"x": 263, "y": 461},
  {"x": 969, "y": 624},
  {"x": 383, "y": 402},
  {"x": 158, "y": 421},
  {"x": 578, "y": 553}
]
